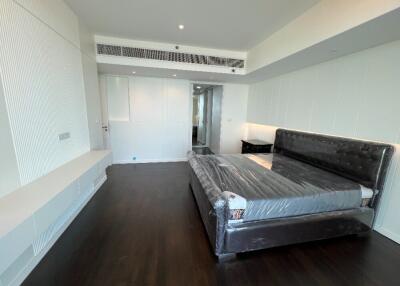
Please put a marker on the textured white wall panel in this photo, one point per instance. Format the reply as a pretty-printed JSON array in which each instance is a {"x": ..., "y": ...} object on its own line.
[
  {"x": 42, "y": 95},
  {"x": 56, "y": 14},
  {"x": 353, "y": 96},
  {"x": 44, "y": 92},
  {"x": 9, "y": 175}
]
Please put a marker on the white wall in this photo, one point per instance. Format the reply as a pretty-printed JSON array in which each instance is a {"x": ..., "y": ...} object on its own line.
[
  {"x": 228, "y": 118},
  {"x": 91, "y": 82},
  {"x": 159, "y": 120},
  {"x": 233, "y": 117},
  {"x": 354, "y": 96},
  {"x": 42, "y": 78}
]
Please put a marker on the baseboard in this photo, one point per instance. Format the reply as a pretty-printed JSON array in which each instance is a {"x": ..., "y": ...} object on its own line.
[
  {"x": 389, "y": 234},
  {"x": 24, "y": 273},
  {"x": 150, "y": 161}
]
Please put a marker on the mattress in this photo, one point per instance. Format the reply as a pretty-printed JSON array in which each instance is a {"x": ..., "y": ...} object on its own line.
[{"x": 267, "y": 186}]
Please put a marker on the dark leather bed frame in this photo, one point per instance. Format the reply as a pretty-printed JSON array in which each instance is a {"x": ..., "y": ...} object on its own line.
[{"x": 361, "y": 161}]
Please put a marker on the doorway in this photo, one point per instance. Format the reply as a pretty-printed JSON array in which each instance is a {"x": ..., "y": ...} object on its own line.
[{"x": 205, "y": 118}]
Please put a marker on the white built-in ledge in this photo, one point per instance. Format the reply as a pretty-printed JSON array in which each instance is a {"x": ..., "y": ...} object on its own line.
[{"x": 34, "y": 216}]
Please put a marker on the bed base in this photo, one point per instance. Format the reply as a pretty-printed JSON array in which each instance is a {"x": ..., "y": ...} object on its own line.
[
  {"x": 226, "y": 257},
  {"x": 229, "y": 239},
  {"x": 363, "y": 162}
]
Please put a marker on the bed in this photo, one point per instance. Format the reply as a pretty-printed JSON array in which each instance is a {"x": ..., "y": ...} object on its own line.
[{"x": 311, "y": 187}]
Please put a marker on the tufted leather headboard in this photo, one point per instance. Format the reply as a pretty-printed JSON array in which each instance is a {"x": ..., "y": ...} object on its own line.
[{"x": 363, "y": 162}]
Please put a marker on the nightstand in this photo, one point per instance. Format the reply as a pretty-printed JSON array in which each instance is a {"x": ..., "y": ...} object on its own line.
[{"x": 256, "y": 146}]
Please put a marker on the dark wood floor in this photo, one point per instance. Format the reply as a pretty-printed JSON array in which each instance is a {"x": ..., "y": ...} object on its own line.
[{"x": 143, "y": 228}]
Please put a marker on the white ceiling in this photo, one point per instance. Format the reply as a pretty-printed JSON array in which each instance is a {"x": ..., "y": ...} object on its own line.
[
  {"x": 167, "y": 73},
  {"x": 375, "y": 32},
  {"x": 221, "y": 24}
]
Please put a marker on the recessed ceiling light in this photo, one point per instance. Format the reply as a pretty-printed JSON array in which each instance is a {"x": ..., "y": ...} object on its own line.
[
  {"x": 181, "y": 27},
  {"x": 198, "y": 87},
  {"x": 133, "y": 72},
  {"x": 174, "y": 75}
]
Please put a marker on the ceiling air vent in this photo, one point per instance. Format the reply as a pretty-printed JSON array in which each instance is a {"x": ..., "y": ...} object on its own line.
[
  {"x": 109, "y": 50},
  {"x": 177, "y": 57}
]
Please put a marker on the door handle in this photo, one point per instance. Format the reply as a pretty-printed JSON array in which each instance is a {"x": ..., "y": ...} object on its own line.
[{"x": 105, "y": 128}]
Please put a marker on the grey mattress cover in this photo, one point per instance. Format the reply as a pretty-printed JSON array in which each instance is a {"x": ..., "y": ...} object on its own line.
[{"x": 275, "y": 186}]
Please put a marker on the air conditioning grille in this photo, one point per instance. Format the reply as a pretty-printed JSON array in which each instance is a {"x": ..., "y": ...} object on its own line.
[{"x": 111, "y": 50}]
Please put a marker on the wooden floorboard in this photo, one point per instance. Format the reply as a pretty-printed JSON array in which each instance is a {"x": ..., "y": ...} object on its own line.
[{"x": 143, "y": 228}]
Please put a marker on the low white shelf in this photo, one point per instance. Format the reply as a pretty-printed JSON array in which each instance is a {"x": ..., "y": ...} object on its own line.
[{"x": 34, "y": 216}]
